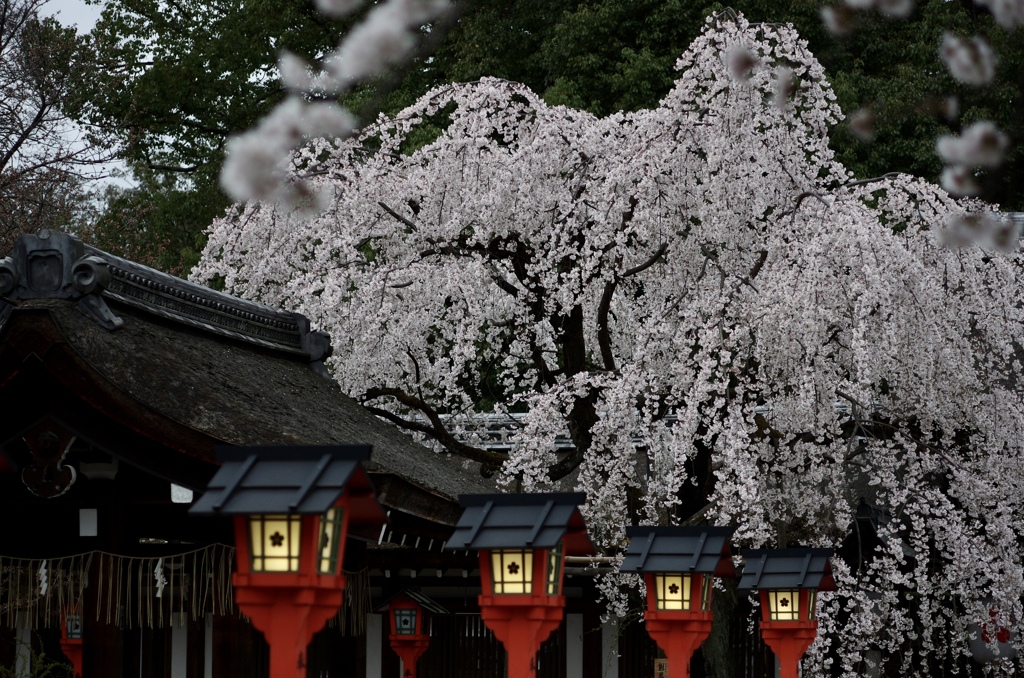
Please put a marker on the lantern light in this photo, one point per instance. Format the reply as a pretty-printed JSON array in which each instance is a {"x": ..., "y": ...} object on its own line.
[
  {"x": 555, "y": 561},
  {"x": 512, "y": 571},
  {"x": 330, "y": 540},
  {"x": 678, "y": 564},
  {"x": 788, "y": 581},
  {"x": 792, "y": 604},
  {"x": 274, "y": 542},
  {"x": 523, "y": 540}
]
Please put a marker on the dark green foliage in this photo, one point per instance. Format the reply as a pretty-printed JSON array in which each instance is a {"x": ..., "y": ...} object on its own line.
[
  {"x": 42, "y": 667},
  {"x": 158, "y": 223},
  {"x": 611, "y": 55},
  {"x": 893, "y": 67},
  {"x": 172, "y": 81},
  {"x": 169, "y": 85}
]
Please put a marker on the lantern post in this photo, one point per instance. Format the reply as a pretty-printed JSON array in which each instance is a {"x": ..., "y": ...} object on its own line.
[
  {"x": 409, "y": 637},
  {"x": 788, "y": 581},
  {"x": 71, "y": 641},
  {"x": 293, "y": 508},
  {"x": 678, "y": 564},
  {"x": 523, "y": 540}
]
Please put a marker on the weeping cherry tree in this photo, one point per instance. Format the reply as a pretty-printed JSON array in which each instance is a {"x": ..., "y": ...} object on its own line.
[{"x": 721, "y": 322}]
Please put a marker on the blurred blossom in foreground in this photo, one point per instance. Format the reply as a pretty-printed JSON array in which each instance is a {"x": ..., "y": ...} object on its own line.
[
  {"x": 786, "y": 85},
  {"x": 254, "y": 166},
  {"x": 949, "y": 108},
  {"x": 894, "y": 9},
  {"x": 838, "y": 20},
  {"x": 337, "y": 8},
  {"x": 971, "y": 62},
  {"x": 981, "y": 145},
  {"x": 958, "y": 180},
  {"x": 862, "y": 124},
  {"x": 741, "y": 62},
  {"x": 256, "y": 163},
  {"x": 983, "y": 229}
]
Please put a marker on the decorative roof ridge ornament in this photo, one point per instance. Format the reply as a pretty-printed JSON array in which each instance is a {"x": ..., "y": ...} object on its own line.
[
  {"x": 60, "y": 266},
  {"x": 55, "y": 266}
]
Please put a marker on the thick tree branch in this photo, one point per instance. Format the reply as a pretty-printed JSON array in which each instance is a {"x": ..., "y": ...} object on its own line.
[
  {"x": 23, "y": 137},
  {"x": 436, "y": 430},
  {"x": 762, "y": 257},
  {"x": 398, "y": 216},
  {"x": 604, "y": 337},
  {"x": 872, "y": 180},
  {"x": 582, "y": 418},
  {"x": 640, "y": 268}
]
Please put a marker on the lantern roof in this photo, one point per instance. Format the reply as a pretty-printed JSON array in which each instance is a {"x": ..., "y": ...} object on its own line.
[
  {"x": 677, "y": 548},
  {"x": 427, "y": 603},
  {"x": 291, "y": 479},
  {"x": 792, "y": 568},
  {"x": 540, "y": 521}
]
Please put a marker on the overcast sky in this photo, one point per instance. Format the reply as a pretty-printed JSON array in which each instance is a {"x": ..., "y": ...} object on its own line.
[
  {"x": 83, "y": 16},
  {"x": 74, "y": 13}
]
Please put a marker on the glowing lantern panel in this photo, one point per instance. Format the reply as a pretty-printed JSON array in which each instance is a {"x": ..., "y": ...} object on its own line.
[
  {"x": 555, "y": 571},
  {"x": 786, "y": 604},
  {"x": 673, "y": 591},
  {"x": 274, "y": 542},
  {"x": 512, "y": 571},
  {"x": 330, "y": 534}
]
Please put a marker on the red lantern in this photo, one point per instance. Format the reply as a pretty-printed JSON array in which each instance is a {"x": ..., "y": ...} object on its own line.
[
  {"x": 408, "y": 638},
  {"x": 678, "y": 564},
  {"x": 292, "y": 508},
  {"x": 71, "y": 642},
  {"x": 522, "y": 540},
  {"x": 522, "y": 601},
  {"x": 679, "y": 631},
  {"x": 289, "y": 580},
  {"x": 788, "y": 581},
  {"x": 990, "y": 641},
  {"x": 788, "y": 626}
]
